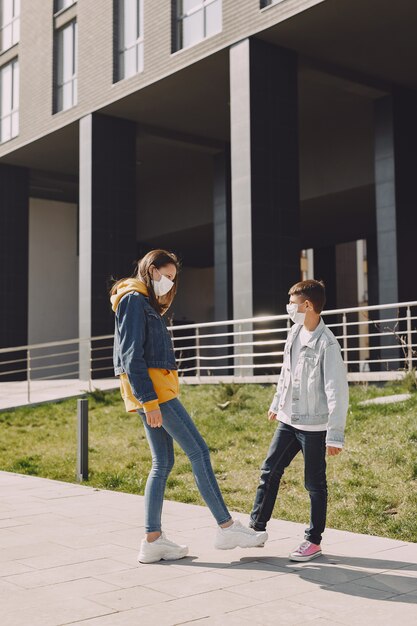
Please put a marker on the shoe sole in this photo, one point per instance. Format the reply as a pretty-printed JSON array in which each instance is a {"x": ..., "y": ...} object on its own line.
[
  {"x": 304, "y": 559},
  {"x": 170, "y": 557}
]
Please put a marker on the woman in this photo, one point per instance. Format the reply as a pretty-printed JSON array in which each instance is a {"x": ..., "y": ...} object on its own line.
[{"x": 144, "y": 359}]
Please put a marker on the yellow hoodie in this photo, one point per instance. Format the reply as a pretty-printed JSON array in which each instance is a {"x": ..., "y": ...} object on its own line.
[{"x": 165, "y": 381}]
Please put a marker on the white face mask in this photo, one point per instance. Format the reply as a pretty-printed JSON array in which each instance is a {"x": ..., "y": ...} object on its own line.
[
  {"x": 295, "y": 316},
  {"x": 162, "y": 286}
]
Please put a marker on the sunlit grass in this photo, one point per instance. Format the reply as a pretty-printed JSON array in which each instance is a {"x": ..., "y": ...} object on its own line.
[{"x": 372, "y": 485}]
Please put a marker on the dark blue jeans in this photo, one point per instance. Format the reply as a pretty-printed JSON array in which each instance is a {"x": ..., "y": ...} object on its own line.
[{"x": 285, "y": 445}]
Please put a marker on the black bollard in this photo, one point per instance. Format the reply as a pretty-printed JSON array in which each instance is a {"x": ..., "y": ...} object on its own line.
[{"x": 82, "y": 439}]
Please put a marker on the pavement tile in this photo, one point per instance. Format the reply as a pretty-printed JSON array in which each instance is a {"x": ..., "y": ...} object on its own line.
[
  {"x": 28, "y": 550},
  {"x": 407, "y": 552},
  {"x": 368, "y": 564},
  {"x": 285, "y": 612},
  {"x": 130, "y": 598},
  {"x": 68, "y": 556},
  {"x": 75, "y": 540},
  {"x": 408, "y": 570},
  {"x": 343, "y": 599},
  {"x": 54, "y": 613},
  {"x": 394, "y": 611},
  {"x": 392, "y": 582},
  {"x": 177, "y": 611},
  {"x": 39, "y": 597},
  {"x": 143, "y": 574},
  {"x": 11, "y": 523},
  {"x": 64, "y": 573},
  {"x": 327, "y": 573},
  {"x": 9, "y": 568},
  {"x": 227, "y": 619},
  {"x": 365, "y": 545},
  {"x": 194, "y": 584},
  {"x": 253, "y": 570},
  {"x": 281, "y": 586},
  {"x": 320, "y": 621}
]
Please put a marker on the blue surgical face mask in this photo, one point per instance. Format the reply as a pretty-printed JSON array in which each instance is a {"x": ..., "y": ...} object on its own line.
[{"x": 295, "y": 316}]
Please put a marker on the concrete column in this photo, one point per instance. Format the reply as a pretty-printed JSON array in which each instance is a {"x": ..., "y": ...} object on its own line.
[
  {"x": 396, "y": 201},
  {"x": 222, "y": 256},
  {"x": 265, "y": 176},
  {"x": 107, "y": 221},
  {"x": 325, "y": 269},
  {"x": 14, "y": 242},
  {"x": 240, "y": 148},
  {"x": 385, "y": 200},
  {"x": 222, "y": 239},
  {"x": 396, "y": 194}
]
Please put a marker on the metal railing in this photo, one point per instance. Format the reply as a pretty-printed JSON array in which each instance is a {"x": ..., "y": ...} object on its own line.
[{"x": 378, "y": 343}]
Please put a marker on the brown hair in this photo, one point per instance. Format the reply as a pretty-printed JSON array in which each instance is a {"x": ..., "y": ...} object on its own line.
[
  {"x": 313, "y": 290},
  {"x": 158, "y": 258}
]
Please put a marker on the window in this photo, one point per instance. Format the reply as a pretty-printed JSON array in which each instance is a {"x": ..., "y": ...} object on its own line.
[
  {"x": 66, "y": 67},
  {"x": 9, "y": 23},
  {"x": 267, "y": 3},
  {"x": 9, "y": 101},
  {"x": 196, "y": 20},
  {"x": 60, "y": 5},
  {"x": 129, "y": 28}
]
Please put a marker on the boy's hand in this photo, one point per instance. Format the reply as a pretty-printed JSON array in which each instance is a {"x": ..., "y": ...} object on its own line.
[
  {"x": 272, "y": 416},
  {"x": 332, "y": 451},
  {"x": 154, "y": 418}
]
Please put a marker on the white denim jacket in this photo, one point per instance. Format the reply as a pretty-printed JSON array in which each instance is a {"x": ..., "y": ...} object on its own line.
[{"x": 320, "y": 393}]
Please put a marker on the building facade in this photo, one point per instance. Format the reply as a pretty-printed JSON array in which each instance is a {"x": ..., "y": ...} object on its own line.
[{"x": 260, "y": 140}]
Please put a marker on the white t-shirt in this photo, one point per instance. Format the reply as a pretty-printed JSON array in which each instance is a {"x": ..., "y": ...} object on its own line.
[{"x": 284, "y": 415}]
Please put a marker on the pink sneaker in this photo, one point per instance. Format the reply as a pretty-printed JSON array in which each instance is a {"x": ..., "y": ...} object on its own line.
[{"x": 306, "y": 551}]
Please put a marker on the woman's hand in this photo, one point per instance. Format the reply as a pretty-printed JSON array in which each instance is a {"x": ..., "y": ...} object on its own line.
[
  {"x": 272, "y": 416},
  {"x": 154, "y": 418}
]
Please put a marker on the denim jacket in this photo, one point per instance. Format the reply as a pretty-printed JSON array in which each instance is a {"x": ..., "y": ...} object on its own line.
[
  {"x": 320, "y": 393},
  {"x": 141, "y": 341}
]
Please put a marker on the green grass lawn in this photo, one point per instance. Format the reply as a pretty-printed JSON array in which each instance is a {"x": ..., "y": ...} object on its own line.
[{"x": 372, "y": 484}]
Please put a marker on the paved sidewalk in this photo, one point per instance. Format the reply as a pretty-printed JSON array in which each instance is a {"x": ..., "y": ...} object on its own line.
[{"x": 68, "y": 556}]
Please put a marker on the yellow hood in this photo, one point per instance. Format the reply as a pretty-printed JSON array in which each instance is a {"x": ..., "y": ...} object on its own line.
[{"x": 128, "y": 285}]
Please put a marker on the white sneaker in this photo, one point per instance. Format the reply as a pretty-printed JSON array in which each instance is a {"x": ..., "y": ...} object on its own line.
[
  {"x": 239, "y": 536},
  {"x": 161, "y": 549}
]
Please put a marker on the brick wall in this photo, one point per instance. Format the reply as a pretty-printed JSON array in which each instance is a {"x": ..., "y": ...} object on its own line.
[{"x": 95, "y": 54}]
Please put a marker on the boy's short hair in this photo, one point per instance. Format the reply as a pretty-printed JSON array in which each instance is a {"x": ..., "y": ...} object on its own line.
[{"x": 313, "y": 290}]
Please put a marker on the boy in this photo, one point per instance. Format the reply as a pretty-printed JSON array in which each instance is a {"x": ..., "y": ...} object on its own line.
[{"x": 311, "y": 404}]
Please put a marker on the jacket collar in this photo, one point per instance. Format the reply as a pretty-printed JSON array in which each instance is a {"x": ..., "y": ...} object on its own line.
[{"x": 314, "y": 337}]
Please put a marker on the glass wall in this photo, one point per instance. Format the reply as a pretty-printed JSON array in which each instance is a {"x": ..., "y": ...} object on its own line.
[
  {"x": 9, "y": 101},
  {"x": 267, "y": 3},
  {"x": 60, "y": 5},
  {"x": 129, "y": 30},
  {"x": 9, "y": 23},
  {"x": 196, "y": 20},
  {"x": 66, "y": 67}
]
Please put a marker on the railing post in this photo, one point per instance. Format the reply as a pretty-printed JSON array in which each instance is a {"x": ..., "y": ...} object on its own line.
[
  {"x": 409, "y": 341},
  {"x": 197, "y": 352},
  {"x": 345, "y": 340},
  {"x": 84, "y": 365},
  {"x": 28, "y": 374},
  {"x": 90, "y": 371},
  {"x": 82, "y": 440}
]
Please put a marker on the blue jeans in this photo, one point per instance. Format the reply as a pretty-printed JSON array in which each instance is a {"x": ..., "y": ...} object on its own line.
[
  {"x": 178, "y": 425},
  {"x": 285, "y": 445}
]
